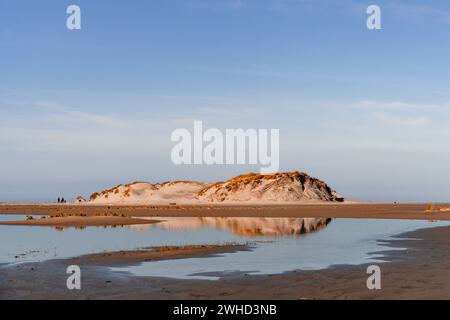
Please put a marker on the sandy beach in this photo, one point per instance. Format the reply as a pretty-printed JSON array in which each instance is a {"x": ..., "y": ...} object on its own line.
[
  {"x": 419, "y": 211},
  {"x": 420, "y": 272}
]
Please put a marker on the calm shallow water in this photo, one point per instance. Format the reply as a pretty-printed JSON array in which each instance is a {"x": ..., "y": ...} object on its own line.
[
  {"x": 32, "y": 244},
  {"x": 17, "y": 217},
  {"x": 343, "y": 241},
  {"x": 279, "y": 244}
]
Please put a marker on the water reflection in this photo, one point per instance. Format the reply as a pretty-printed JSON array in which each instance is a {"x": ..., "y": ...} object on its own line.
[
  {"x": 20, "y": 217},
  {"x": 59, "y": 228},
  {"x": 345, "y": 241},
  {"x": 244, "y": 227},
  {"x": 276, "y": 244},
  {"x": 63, "y": 228}
]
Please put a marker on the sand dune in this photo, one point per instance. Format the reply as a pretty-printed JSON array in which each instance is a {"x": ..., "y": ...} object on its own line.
[{"x": 288, "y": 187}]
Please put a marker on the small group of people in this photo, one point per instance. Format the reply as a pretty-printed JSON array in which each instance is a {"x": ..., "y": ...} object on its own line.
[{"x": 62, "y": 200}]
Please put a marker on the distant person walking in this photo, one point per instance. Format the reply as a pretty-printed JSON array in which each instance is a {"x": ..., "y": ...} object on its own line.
[{"x": 59, "y": 200}]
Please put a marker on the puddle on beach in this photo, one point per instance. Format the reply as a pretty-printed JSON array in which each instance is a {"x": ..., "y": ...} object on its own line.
[{"x": 278, "y": 244}]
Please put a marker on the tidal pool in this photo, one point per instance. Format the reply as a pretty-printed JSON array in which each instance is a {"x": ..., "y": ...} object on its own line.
[
  {"x": 343, "y": 241},
  {"x": 278, "y": 244}
]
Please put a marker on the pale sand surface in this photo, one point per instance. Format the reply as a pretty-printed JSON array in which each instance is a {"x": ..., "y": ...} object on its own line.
[
  {"x": 421, "y": 272},
  {"x": 330, "y": 210}
]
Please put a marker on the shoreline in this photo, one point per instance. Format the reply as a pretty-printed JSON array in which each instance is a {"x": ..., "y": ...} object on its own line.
[
  {"x": 419, "y": 272},
  {"x": 78, "y": 221},
  {"x": 329, "y": 210}
]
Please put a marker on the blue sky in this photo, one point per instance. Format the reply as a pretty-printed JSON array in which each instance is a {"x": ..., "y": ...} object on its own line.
[{"x": 366, "y": 111}]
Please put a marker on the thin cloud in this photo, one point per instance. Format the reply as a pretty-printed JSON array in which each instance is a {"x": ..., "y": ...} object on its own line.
[
  {"x": 419, "y": 13},
  {"x": 228, "y": 4},
  {"x": 400, "y": 120},
  {"x": 62, "y": 114},
  {"x": 397, "y": 105}
]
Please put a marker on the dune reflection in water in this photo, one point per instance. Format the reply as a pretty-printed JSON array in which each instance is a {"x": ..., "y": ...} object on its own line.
[
  {"x": 345, "y": 241},
  {"x": 245, "y": 227}
]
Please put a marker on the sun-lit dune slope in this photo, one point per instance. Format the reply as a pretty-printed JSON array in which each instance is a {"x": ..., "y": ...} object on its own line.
[
  {"x": 147, "y": 193},
  {"x": 287, "y": 187},
  {"x": 279, "y": 187}
]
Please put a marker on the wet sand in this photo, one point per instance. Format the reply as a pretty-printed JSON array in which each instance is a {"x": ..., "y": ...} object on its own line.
[
  {"x": 78, "y": 221},
  {"x": 331, "y": 210},
  {"x": 126, "y": 258},
  {"x": 420, "y": 272}
]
